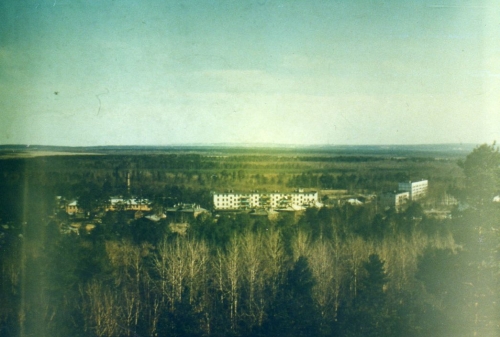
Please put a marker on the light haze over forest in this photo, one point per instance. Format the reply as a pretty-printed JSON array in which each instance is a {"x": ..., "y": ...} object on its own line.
[{"x": 83, "y": 73}]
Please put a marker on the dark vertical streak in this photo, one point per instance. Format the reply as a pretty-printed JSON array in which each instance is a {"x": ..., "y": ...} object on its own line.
[{"x": 99, "y": 99}]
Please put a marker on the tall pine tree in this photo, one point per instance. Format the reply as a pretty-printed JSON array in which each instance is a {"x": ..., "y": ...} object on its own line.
[{"x": 294, "y": 312}]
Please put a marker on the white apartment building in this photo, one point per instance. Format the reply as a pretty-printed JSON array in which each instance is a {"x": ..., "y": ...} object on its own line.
[
  {"x": 417, "y": 189},
  {"x": 235, "y": 200},
  {"x": 395, "y": 199}
]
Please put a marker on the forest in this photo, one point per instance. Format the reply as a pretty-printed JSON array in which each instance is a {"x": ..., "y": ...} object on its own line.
[{"x": 334, "y": 271}]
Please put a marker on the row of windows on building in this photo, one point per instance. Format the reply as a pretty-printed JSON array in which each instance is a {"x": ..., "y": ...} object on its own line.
[{"x": 239, "y": 200}]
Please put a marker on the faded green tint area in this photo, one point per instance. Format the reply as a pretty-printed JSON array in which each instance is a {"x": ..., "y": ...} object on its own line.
[{"x": 341, "y": 270}]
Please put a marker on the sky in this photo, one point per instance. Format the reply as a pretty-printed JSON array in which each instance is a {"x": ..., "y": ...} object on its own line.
[{"x": 164, "y": 72}]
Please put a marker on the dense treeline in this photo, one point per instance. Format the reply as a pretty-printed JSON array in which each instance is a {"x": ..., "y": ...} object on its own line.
[
  {"x": 236, "y": 276},
  {"x": 156, "y": 176},
  {"x": 342, "y": 271}
]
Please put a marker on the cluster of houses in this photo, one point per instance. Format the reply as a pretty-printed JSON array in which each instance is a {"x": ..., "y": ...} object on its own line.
[
  {"x": 297, "y": 200},
  {"x": 141, "y": 207},
  {"x": 136, "y": 208},
  {"x": 254, "y": 202},
  {"x": 115, "y": 204}
]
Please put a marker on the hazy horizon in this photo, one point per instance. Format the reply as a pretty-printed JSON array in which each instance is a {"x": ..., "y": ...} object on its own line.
[
  {"x": 168, "y": 73},
  {"x": 249, "y": 145}
]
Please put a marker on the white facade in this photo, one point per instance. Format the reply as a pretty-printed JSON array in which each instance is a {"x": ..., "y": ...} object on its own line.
[
  {"x": 128, "y": 204},
  {"x": 235, "y": 200},
  {"x": 417, "y": 189},
  {"x": 401, "y": 198},
  {"x": 396, "y": 200}
]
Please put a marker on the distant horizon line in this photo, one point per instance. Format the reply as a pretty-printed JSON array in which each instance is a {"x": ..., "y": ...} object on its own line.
[{"x": 243, "y": 144}]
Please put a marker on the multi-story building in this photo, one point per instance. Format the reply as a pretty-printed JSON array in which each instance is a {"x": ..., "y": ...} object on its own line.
[
  {"x": 236, "y": 200},
  {"x": 417, "y": 189},
  {"x": 395, "y": 199}
]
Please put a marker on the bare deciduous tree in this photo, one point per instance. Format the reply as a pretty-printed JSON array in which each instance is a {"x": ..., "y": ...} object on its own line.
[
  {"x": 253, "y": 264},
  {"x": 101, "y": 309},
  {"x": 171, "y": 266},
  {"x": 232, "y": 262}
]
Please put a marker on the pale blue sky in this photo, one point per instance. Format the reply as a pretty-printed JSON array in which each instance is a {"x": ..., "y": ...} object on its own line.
[{"x": 160, "y": 72}]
